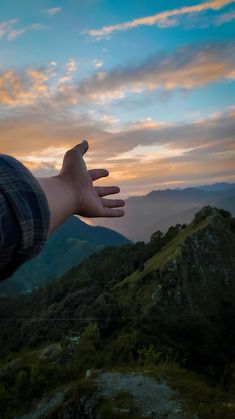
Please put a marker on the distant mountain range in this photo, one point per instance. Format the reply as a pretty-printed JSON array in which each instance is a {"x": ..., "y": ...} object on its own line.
[
  {"x": 75, "y": 240},
  {"x": 67, "y": 247},
  {"x": 160, "y": 209}
]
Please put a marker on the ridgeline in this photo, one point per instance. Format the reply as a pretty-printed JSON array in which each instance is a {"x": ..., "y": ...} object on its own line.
[{"x": 168, "y": 302}]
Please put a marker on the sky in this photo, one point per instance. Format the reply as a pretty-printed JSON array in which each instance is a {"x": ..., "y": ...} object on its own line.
[{"x": 150, "y": 84}]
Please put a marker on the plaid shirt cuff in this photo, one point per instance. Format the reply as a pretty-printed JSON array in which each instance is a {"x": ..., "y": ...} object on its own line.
[{"x": 29, "y": 207}]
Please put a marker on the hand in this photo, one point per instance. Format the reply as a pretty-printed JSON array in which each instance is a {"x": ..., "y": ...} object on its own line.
[
  {"x": 72, "y": 191},
  {"x": 88, "y": 200}
]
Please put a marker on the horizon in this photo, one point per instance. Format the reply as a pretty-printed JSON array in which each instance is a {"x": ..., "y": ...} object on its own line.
[
  {"x": 195, "y": 186},
  {"x": 151, "y": 86}
]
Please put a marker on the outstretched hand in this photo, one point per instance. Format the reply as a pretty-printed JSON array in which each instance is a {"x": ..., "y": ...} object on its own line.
[
  {"x": 72, "y": 191},
  {"x": 88, "y": 200}
]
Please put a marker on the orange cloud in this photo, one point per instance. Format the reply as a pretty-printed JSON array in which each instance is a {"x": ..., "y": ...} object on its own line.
[
  {"x": 18, "y": 90},
  {"x": 187, "y": 68},
  {"x": 160, "y": 18},
  {"x": 137, "y": 155}
]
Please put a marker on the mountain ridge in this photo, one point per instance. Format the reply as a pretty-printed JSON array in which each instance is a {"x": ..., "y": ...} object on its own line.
[
  {"x": 165, "y": 307},
  {"x": 183, "y": 277},
  {"x": 162, "y": 208}
]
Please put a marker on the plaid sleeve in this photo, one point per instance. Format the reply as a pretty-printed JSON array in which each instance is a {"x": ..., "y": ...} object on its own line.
[{"x": 24, "y": 215}]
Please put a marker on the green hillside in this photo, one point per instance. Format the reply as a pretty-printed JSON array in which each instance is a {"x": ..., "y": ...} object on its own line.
[
  {"x": 66, "y": 247},
  {"x": 164, "y": 310}
]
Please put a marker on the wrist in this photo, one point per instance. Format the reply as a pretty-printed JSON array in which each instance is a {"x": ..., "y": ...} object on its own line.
[
  {"x": 60, "y": 197},
  {"x": 71, "y": 193}
]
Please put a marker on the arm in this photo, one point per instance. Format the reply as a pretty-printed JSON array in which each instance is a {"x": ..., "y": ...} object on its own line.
[{"x": 31, "y": 209}]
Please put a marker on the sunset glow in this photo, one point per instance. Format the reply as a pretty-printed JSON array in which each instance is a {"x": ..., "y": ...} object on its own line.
[{"x": 151, "y": 85}]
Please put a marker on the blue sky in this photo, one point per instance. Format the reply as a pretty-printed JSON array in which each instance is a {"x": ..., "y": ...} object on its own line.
[{"x": 150, "y": 84}]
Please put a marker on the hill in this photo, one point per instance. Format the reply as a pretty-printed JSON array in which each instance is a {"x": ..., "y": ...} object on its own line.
[
  {"x": 165, "y": 308},
  {"x": 186, "y": 276},
  {"x": 67, "y": 247},
  {"x": 158, "y": 210}
]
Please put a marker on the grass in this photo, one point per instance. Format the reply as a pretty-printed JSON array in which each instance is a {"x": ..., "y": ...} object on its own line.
[
  {"x": 159, "y": 260},
  {"x": 192, "y": 390},
  {"x": 196, "y": 395}
]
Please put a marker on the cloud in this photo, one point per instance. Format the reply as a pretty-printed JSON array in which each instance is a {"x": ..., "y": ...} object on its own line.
[
  {"x": 137, "y": 155},
  {"x": 162, "y": 19},
  {"x": 6, "y": 27},
  {"x": 23, "y": 89},
  {"x": 97, "y": 63},
  {"x": 71, "y": 68},
  {"x": 225, "y": 18},
  {"x": 203, "y": 20},
  {"x": 53, "y": 11},
  {"x": 37, "y": 126},
  {"x": 199, "y": 137},
  {"x": 71, "y": 65},
  {"x": 188, "y": 68},
  {"x": 180, "y": 154},
  {"x": 10, "y": 32},
  {"x": 13, "y": 34},
  {"x": 33, "y": 86}
]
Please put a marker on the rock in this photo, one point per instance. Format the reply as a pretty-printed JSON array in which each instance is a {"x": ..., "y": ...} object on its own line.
[{"x": 88, "y": 373}]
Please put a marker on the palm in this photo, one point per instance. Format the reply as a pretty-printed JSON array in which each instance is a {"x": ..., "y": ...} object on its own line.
[{"x": 91, "y": 199}]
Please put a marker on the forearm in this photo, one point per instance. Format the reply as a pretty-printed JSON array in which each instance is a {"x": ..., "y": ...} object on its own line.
[
  {"x": 60, "y": 198},
  {"x": 24, "y": 218}
]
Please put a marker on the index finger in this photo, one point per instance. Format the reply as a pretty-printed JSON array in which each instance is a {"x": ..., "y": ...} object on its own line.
[{"x": 82, "y": 147}]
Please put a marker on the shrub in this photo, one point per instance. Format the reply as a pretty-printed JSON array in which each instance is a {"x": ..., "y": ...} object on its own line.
[{"x": 149, "y": 356}]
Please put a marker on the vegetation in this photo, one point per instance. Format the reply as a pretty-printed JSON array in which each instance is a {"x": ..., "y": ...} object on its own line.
[
  {"x": 165, "y": 308},
  {"x": 32, "y": 377},
  {"x": 71, "y": 243},
  {"x": 120, "y": 407}
]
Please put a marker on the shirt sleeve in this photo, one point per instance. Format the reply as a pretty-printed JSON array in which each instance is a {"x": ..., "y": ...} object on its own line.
[{"x": 24, "y": 215}]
